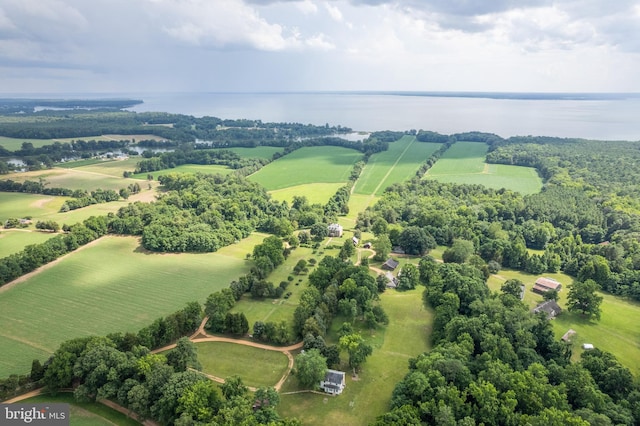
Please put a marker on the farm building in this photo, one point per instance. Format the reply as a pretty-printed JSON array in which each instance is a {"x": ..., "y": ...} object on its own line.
[
  {"x": 392, "y": 282},
  {"x": 335, "y": 230},
  {"x": 334, "y": 382},
  {"x": 587, "y": 346},
  {"x": 550, "y": 307},
  {"x": 390, "y": 264},
  {"x": 355, "y": 241},
  {"x": 367, "y": 245},
  {"x": 542, "y": 285}
]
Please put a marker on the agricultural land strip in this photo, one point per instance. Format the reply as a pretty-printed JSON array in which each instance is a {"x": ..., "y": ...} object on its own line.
[{"x": 464, "y": 163}]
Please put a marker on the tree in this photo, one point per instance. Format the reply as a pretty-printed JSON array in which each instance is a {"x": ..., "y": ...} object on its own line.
[
  {"x": 383, "y": 247},
  {"x": 416, "y": 241},
  {"x": 184, "y": 355},
  {"x": 347, "y": 250},
  {"x": 513, "y": 287},
  {"x": 310, "y": 368},
  {"x": 582, "y": 298},
  {"x": 320, "y": 231},
  {"x": 459, "y": 251},
  {"x": 357, "y": 349},
  {"x": 409, "y": 277},
  {"x": 233, "y": 387}
]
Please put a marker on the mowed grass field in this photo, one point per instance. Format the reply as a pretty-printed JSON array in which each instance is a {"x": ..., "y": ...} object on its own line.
[
  {"x": 616, "y": 332},
  {"x": 112, "y": 285},
  {"x": 464, "y": 163},
  {"x": 187, "y": 168},
  {"x": 18, "y": 205},
  {"x": 75, "y": 178},
  {"x": 85, "y": 413},
  {"x": 316, "y": 193},
  {"x": 406, "y": 336},
  {"x": 398, "y": 164},
  {"x": 317, "y": 164},
  {"x": 257, "y": 367},
  {"x": 13, "y": 241}
]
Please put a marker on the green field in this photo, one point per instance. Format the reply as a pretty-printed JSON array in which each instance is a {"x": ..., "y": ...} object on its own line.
[
  {"x": 18, "y": 205},
  {"x": 364, "y": 399},
  {"x": 616, "y": 332},
  {"x": 398, "y": 164},
  {"x": 257, "y": 367},
  {"x": 85, "y": 413},
  {"x": 317, "y": 164},
  {"x": 464, "y": 163},
  {"x": 13, "y": 241},
  {"x": 14, "y": 144},
  {"x": 114, "y": 168},
  {"x": 75, "y": 178},
  {"x": 316, "y": 193},
  {"x": 113, "y": 285}
]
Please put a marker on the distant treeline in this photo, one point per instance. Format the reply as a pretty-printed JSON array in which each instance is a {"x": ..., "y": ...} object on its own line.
[{"x": 25, "y": 106}]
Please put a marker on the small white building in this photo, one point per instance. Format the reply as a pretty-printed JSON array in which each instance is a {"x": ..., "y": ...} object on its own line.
[
  {"x": 334, "y": 382},
  {"x": 335, "y": 230},
  {"x": 587, "y": 346}
]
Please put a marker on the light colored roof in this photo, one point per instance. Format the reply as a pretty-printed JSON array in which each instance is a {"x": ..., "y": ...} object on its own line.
[{"x": 548, "y": 283}]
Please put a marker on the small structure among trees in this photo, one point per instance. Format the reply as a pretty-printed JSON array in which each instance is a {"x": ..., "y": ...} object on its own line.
[
  {"x": 334, "y": 382},
  {"x": 543, "y": 285},
  {"x": 335, "y": 230},
  {"x": 390, "y": 264},
  {"x": 549, "y": 307}
]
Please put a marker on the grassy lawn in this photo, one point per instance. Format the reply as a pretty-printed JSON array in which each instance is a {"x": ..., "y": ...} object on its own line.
[
  {"x": 14, "y": 144},
  {"x": 85, "y": 413},
  {"x": 257, "y": 367},
  {"x": 367, "y": 397},
  {"x": 316, "y": 193},
  {"x": 18, "y": 205},
  {"x": 13, "y": 241},
  {"x": 111, "y": 286},
  {"x": 113, "y": 168},
  {"x": 464, "y": 163},
  {"x": 317, "y": 164},
  {"x": 616, "y": 332},
  {"x": 398, "y": 164}
]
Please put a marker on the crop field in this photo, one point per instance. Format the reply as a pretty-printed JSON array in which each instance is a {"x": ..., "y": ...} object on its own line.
[
  {"x": 18, "y": 205},
  {"x": 187, "y": 168},
  {"x": 75, "y": 178},
  {"x": 112, "y": 285},
  {"x": 13, "y": 241},
  {"x": 113, "y": 168},
  {"x": 364, "y": 399},
  {"x": 14, "y": 144},
  {"x": 398, "y": 164},
  {"x": 616, "y": 332},
  {"x": 316, "y": 193},
  {"x": 464, "y": 163},
  {"x": 256, "y": 367},
  {"x": 317, "y": 164},
  {"x": 85, "y": 413}
]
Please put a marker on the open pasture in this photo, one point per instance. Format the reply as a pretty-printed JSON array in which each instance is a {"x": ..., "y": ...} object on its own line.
[
  {"x": 616, "y": 332},
  {"x": 14, "y": 144},
  {"x": 74, "y": 178},
  {"x": 111, "y": 285},
  {"x": 85, "y": 413},
  {"x": 317, "y": 164},
  {"x": 13, "y": 241},
  {"x": 464, "y": 163},
  {"x": 110, "y": 167},
  {"x": 316, "y": 193},
  {"x": 19, "y": 205},
  {"x": 406, "y": 336},
  {"x": 257, "y": 367},
  {"x": 398, "y": 164}
]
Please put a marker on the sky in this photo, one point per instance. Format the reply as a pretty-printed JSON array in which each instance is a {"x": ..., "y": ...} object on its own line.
[{"x": 123, "y": 46}]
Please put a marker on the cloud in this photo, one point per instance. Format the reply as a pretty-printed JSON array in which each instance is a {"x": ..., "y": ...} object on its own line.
[{"x": 334, "y": 12}]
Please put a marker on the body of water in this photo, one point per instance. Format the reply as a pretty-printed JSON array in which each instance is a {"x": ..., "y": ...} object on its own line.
[{"x": 594, "y": 116}]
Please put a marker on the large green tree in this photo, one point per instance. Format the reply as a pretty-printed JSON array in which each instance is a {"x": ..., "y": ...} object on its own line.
[
  {"x": 582, "y": 298},
  {"x": 310, "y": 368}
]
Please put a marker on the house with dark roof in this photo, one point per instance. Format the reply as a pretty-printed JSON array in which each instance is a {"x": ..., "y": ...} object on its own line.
[
  {"x": 543, "y": 285},
  {"x": 390, "y": 264},
  {"x": 549, "y": 307},
  {"x": 334, "y": 382}
]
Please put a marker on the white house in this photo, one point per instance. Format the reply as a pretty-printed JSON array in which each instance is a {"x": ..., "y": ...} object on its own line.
[
  {"x": 335, "y": 230},
  {"x": 334, "y": 382}
]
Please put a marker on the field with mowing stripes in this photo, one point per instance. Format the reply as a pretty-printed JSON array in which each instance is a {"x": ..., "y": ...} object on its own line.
[
  {"x": 317, "y": 164},
  {"x": 257, "y": 367},
  {"x": 13, "y": 241},
  {"x": 464, "y": 163},
  {"x": 112, "y": 285},
  {"x": 398, "y": 164},
  {"x": 316, "y": 193}
]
